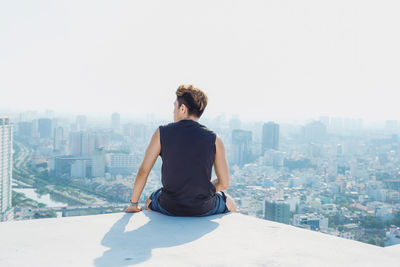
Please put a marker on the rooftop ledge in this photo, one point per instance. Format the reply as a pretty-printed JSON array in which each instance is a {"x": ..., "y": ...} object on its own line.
[{"x": 152, "y": 239}]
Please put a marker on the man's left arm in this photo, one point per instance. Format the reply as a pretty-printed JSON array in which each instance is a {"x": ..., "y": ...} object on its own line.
[{"x": 152, "y": 152}]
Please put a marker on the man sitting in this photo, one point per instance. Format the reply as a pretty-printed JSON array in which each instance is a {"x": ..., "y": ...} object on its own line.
[{"x": 188, "y": 150}]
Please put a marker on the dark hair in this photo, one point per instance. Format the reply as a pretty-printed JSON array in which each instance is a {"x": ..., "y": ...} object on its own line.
[{"x": 193, "y": 98}]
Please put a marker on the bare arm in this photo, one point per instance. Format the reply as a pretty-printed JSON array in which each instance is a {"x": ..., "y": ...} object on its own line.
[
  {"x": 220, "y": 166},
  {"x": 152, "y": 152}
]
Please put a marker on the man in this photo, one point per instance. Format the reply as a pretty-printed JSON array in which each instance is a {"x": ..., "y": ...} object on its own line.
[{"x": 188, "y": 150}]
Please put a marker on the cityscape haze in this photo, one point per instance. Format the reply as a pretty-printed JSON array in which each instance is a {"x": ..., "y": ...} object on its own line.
[
  {"x": 302, "y": 94},
  {"x": 330, "y": 174}
]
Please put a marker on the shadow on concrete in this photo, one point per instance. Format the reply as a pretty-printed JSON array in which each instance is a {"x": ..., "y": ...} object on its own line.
[{"x": 135, "y": 246}]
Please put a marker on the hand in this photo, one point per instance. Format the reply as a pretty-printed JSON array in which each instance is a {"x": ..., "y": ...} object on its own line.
[{"x": 133, "y": 209}]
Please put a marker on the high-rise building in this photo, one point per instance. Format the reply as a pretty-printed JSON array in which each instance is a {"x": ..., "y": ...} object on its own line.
[
  {"x": 129, "y": 129},
  {"x": 273, "y": 158},
  {"x": 121, "y": 163},
  {"x": 102, "y": 140},
  {"x": 315, "y": 132},
  {"x": 241, "y": 147},
  {"x": 6, "y": 160},
  {"x": 234, "y": 123},
  {"x": 59, "y": 140},
  {"x": 82, "y": 143},
  {"x": 116, "y": 122},
  {"x": 140, "y": 131},
  {"x": 81, "y": 168},
  {"x": 81, "y": 123},
  {"x": 270, "y": 136},
  {"x": 24, "y": 129},
  {"x": 44, "y": 128},
  {"x": 277, "y": 211},
  {"x": 99, "y": 163},
  {"x": 70, "y": 166},
  {"x": 35, "y": 128}
]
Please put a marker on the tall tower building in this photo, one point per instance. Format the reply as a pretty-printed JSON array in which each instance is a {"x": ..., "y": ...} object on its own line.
[
  {"x": 277, "y": 211},
  {"x": 44, "y": 128},
  {"x": 270, "y": 136},
  {"x": 25, "y": 129},
  {"x": 241, "y": 147},
  {"x": 6, "y": 160},
  {"x": 116, "y": 122},
  {"x": 315, "y": 132},
  {"x": 82, "y": 143},
  {"x": 58, "y": 139},
  {"x": 98, "y": 163},
  {"x": 81, "y": 123}
]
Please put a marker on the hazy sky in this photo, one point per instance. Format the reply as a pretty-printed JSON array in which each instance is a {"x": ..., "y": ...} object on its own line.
[{"x": 261, "y": 59}]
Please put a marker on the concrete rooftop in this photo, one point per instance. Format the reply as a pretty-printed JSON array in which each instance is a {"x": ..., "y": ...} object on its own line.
[{"x": 152, "y": 239}]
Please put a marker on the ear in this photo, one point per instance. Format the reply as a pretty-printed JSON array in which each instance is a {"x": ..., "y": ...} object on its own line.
[{"x": 183, "y": 108}]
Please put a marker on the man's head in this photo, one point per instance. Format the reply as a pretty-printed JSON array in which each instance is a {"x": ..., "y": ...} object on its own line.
[{"x": 190, "y": 103}]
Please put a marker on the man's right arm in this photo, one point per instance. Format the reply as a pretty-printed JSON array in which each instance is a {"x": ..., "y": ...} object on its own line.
[{"x": 220, "y": 167}]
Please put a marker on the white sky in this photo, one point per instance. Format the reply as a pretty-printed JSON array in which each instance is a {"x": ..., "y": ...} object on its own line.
[{"x": 259, "y": 59}]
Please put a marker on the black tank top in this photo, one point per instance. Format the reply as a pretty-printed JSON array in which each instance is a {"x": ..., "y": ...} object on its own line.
[{"x": 187, "y": 152}]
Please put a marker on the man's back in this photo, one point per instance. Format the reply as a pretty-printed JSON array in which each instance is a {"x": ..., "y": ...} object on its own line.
[{"x": 187, "y": 152}]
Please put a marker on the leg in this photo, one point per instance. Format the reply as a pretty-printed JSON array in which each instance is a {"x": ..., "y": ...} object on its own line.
[
  {"x": 148, "y": 200},
  {"x": 155, "y": 205},
  {"x": 230, "y": 203}
]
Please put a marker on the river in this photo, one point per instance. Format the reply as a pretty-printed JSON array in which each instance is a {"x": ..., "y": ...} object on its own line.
[{"x": 50, "y": 201}]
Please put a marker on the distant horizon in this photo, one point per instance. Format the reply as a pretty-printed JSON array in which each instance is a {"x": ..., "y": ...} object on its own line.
[
  {"x": 259, "y": 59},
  {"x": 126, "y": 117}
]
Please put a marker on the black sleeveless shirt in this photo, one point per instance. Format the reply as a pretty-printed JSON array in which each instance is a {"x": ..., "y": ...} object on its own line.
[{"x": 187, "y": 152}]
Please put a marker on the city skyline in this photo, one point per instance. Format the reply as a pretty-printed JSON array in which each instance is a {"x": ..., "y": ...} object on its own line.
[
  {"x": 300, "y": 131},
  {"x": 327, "y": 175},
  {"x": 98, "y": 117}
]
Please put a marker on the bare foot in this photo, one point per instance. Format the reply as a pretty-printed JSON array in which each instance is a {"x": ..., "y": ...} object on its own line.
[
  {"x": 230, "y": 203},
  {"x": 148, "y": 200}
]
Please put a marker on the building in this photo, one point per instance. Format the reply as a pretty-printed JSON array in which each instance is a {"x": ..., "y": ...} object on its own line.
[
  {"x": 235, "y": 123},
  {"x": 99, "y": 163},
  {"x": 81, "y": 123},
  {"x": 315, "y": 132},
  {"x": 72, "y": 167},
  {"x": 6, "y": 160},
  {"x": 25, "y": 129},
  {"x": 273, "y": 158},
  {"x": 241, "y": 147},
  {"x": 277, "y": 211},
  {"x": 82, "y": 143},
  {"x": 44, "y": 128},
  {"x": 59, "y": 141},
  {"x": 312, "y": 221},
  {"x": 393, "y": 184},
  {"x": 121, "y": 163},
  {"x": 116, "y": 122},
  {"x": 129, "y": 129},
  {"x": 270, "y": 137},
  {"x": 81, "y": 168},
  {"x": 140, "y": 132}
]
